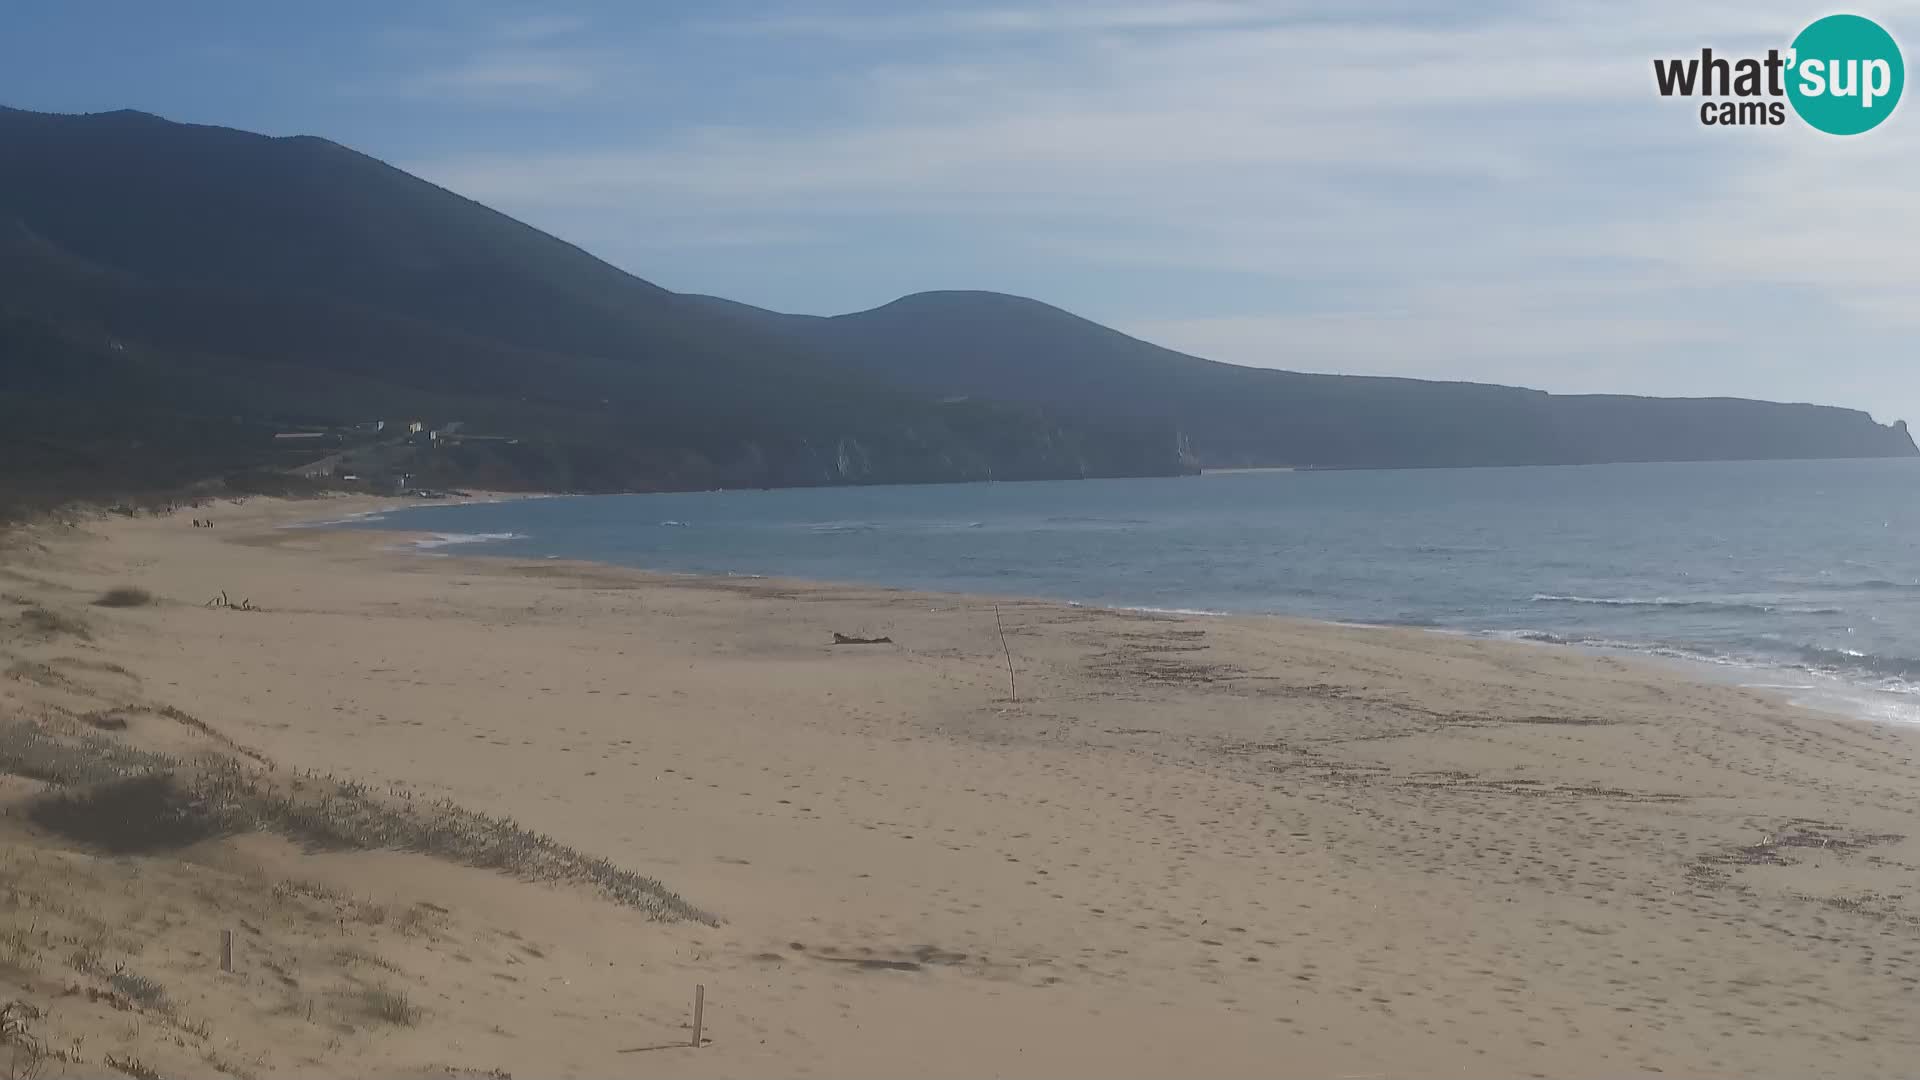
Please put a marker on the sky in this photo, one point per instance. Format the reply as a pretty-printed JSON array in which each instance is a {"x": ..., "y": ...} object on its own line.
[{"x": 1490, "y": 192}]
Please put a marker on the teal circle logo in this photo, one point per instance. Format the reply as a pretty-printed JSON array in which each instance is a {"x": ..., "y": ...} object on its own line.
[{"x": 1845, "y": 75}]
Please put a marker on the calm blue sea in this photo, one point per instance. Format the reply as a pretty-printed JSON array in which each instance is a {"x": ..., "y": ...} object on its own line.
[{"x": 1796, "y": 574}]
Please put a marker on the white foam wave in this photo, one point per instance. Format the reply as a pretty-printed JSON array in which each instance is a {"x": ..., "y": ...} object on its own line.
[
  {"x": 439, "y": 540},
  {"x": 1815, "y": 683},
  {"x": 1756, "y": 607},
  {"x": 360, "y": 518}
]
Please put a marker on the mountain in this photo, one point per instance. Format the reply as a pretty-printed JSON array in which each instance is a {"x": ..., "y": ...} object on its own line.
[
  {"x": 172, "y": 296},
  {"x": 993, "y": 346},
  {"x": 178, "y": 301}
]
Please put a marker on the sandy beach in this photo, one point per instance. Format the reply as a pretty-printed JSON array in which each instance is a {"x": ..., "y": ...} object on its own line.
[{"x": 1174, "y": 846}]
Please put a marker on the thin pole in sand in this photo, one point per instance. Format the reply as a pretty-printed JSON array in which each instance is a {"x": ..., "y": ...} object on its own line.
[
  {"x": 226, "y": 951},
  {"x": 699, "y": 1010},
  {"x": 1012, "y": 690}
]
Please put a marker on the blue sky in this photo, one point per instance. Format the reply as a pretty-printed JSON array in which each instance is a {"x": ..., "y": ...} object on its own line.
[{"x": 1491, "y": 192}]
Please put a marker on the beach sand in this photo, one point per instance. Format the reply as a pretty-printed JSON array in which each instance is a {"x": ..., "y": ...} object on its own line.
[{"x": 1177, "y": 845}]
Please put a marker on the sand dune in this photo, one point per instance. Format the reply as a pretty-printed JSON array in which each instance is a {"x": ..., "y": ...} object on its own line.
[{"x": 1196, "y": 846}]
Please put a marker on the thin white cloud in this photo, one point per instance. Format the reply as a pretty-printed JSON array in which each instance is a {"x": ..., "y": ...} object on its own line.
[
  {"x": 540, "y": 27},
  {"x": 1375, "y": 341},
  {"x": 1002, "y": 20},
  {"x": 1514, "y": 152},
  {"x": 520, "y": 60},
  {"x": 496, "y": 74},
  {"x": 681, "y": 236}
]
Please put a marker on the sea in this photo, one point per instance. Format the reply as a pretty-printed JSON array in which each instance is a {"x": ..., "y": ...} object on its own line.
[{"x": 1801, "y": 576}]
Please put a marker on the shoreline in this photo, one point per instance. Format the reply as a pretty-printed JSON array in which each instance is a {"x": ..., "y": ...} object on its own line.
[
  {"x": 1200, "y": 845},
  {"x": 1816, "y": 690}
]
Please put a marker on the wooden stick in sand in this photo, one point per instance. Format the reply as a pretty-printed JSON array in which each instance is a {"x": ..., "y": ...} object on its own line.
[
  {"x": 1012, "y": 690},
  {"x": 699, "y": 1010}
]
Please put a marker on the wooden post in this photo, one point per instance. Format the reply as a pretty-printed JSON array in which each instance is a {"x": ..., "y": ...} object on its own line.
[
  {"x": 1012, "y": 690},
  {"x": 226, "y": 951},
  {"x": 699, "y": 1010}
]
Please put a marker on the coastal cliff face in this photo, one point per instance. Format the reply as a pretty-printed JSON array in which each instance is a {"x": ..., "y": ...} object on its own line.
[
  {"x": 990, "y": 345},
  {"x": 173, "y": 297}
]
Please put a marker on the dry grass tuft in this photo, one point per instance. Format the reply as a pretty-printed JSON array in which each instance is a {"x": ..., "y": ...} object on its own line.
[
  {"x": 49, "y": 623},
  {"x": 105, "y": 720},
  {"x": 132, "y": 1066},
  {"x": 391, "y": 1005},
  {"x": 31, "y": 750},
  {"x": 26, "y": 1057},
  {"x": 124, "y": 596},
  {"x": 231, "y": 1068},
  {"x": 420, "y": 920},
  {"x": 85, "y": 959},
  {"x": 354, "y": 954},
  {"x": 127, "y": 801},
  {"x": 19, "y": 949},
  {"x": 138, "y": 989},
  {"x": 27, "y": 671},
  {"x": 311, "y": 889},
  {"x": 151, "y": 812}
]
